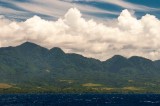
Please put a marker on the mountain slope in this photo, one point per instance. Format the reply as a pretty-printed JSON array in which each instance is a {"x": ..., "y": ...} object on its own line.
[{"x": 31, "y": 65}]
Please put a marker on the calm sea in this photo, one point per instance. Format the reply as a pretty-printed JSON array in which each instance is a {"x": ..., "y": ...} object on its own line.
[{"x": 80, "y": 100}]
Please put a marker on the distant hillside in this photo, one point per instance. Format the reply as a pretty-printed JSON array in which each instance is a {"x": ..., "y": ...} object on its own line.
[{"x": 31, "y": 68}]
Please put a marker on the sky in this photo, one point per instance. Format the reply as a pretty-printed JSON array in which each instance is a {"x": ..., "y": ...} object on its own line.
[{"x": 93, "y": 28}]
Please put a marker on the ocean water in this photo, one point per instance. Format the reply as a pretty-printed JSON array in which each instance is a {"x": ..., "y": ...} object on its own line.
[{"x": 80, "y": 100}]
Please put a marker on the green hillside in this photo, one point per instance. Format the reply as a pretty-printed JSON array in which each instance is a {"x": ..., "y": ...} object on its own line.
[{"x": 31, "y": 68}]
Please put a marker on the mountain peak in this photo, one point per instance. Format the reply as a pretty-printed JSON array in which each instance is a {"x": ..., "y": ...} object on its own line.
[
  {"x": 28, "y": 44},
  {"x": 118, "y": 57},
  {"x": 57, "y": 50},
  {"x": 29, "y": 47},
  {"x": 136, "y": 58}
]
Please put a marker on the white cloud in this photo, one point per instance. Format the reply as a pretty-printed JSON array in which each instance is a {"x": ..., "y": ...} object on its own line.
[
  {"x": 8, "y": 10},
  {"x": 128, "y": 5},
  {"x": 124, "y": 4},
  {"x": 128, "y": 36},
  {"x": 54, "y": 8}
]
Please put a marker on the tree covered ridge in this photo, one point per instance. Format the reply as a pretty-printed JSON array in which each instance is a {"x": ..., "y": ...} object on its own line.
[{"x": 32, "y": 66}]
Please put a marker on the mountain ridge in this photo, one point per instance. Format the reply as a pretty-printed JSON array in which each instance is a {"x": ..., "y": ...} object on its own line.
[
  {"x": 30, "y": 65},
  {"x": 58, "y": 48}
]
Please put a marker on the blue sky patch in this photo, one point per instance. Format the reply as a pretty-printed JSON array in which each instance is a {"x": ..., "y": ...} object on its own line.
[{"x": 103, "y": 6}]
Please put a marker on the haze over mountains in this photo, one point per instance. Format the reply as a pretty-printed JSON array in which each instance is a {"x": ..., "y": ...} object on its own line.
[{"x": 32, "y": 65}]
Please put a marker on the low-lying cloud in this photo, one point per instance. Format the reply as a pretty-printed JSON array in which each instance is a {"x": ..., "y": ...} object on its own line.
[{"x": 126, "y": 35}]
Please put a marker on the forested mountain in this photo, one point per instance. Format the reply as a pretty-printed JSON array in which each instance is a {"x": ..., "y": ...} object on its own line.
[{"x": 30, "y": 67}]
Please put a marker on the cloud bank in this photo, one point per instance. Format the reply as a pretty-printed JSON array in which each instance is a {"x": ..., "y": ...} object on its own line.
[{"x": 126, "y": 35}]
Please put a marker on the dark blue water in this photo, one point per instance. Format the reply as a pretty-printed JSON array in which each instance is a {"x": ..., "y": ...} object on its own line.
[{"x": 80, "y": 100}]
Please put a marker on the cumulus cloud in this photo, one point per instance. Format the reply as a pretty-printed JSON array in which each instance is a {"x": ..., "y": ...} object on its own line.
[{"x": 126, "y": 36}]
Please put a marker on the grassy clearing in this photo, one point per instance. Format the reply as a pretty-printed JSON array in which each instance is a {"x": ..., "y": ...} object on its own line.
[
  {"x": 4, "y": 86},
  {"x": 104, "y": 89},
  {"x": 108, "y": 89},
  {"x": 67, "y": 81},
  {"x": 91, "y": 85},
  {"x": 131, "y": 88}
]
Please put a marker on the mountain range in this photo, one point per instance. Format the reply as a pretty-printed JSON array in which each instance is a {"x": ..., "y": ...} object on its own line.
[{"x": 30, "y": 67}]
